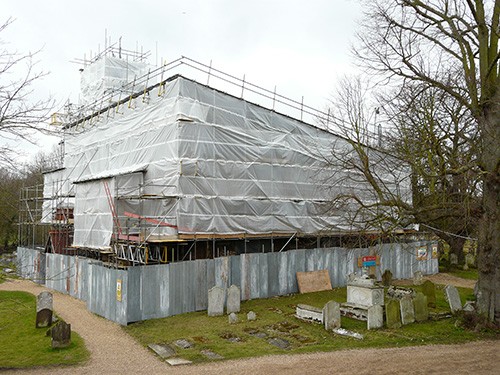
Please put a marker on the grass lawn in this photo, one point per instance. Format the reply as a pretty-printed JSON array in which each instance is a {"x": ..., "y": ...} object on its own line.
[
  {"x": 22, "y": 345},
  {"x": 275, "y": 319}
]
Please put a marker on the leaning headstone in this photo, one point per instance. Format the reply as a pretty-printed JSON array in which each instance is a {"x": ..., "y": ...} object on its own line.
[
  {"x": 469, "y": 306},
  {"x": 429, "y": 290},
  {"x": 387, "y": 278},
  {"x": 407, "y": 310},
  {"x": 216, "y": 301},
  {"x": 375, "y": 317},
  {"x": 418, "y": 278},
  {"x": 164, "y": 351},
  {"x": 44, "y": 309},
  {"x": 331, "y": 315},
  {"x": 251, "y": 316},
  {"x": 392, "y": 314},
  {"x": 233, "y": 299},
  {"x": 420, "y": 305},
  {"x": 233, "y": 318},
  {"x": 453, "y": 298},
  {"x": 61, "y": 335}
]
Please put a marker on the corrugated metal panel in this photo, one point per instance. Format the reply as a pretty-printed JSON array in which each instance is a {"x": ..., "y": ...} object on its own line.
[{"x": 164, "y": 290}]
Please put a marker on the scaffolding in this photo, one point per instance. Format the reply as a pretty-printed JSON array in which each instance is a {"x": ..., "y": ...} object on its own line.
[{"x": 134, "y": 238}]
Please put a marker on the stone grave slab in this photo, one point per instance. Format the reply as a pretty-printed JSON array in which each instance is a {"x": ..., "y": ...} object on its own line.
[
  {"x": 392, "y": 314},
  {"x": 44, "y": 309},
  {"x": 331, "y": 315},
  {"x": 308, "y": 312},
  {"x": 313, "y": 281},
  {"x": 61, "y": 335},
  {"x": 279, "y": 343},
  {"x": 216, "y": 298},
  {"x": 178, "y": 361},
  {"x": 421, "y": 308},
  {"x": 164, "y": 351},
  {"x": 210, "y": 354},
  {"x": 429, "y": 290},
  {"x": 346, "y": 332},
  {"x": 233, "y": 299},
  {"x": 453, "y": 298},
  {"x": 407, "y": 310},
  {"x": 375, "y": 317},
  {"x": 183, "y": 344}
]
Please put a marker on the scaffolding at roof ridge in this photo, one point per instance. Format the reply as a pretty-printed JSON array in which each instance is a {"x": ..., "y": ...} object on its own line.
[{"x": 74, "y": 115}]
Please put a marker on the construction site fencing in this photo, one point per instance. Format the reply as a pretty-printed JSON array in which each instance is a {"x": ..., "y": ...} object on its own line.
[{"x": 156, "y": 291}]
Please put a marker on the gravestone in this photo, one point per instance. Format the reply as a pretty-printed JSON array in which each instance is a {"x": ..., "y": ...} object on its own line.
[
  {"x": 470, "y": 259},
  {"x": 178, "y": 361},
  {"x": 280, "y": 343},
  {"x": 210, "y": 354},
  {"x": 387, "y": 278},
  {"x": 331, "y": 315},
  {"x": 216, "y": 301},
  {"x": 164, "y": 351},
  {"x": 308, "y": 312},
  {"x": 420, "y": 305},
  {"x": 418, "y": 278},
  {"x": 251, "y": 316},
  {"x": 453, "y": 259},
  {"x": 392, "y": 314},
  {"x": 44, "y": 309},
  {"x": 453, "y": 298},
  {"x": 183, "y": 344},
  {"x": 233, "y": 318},
  {"x": 233, "y": 299},
  {"x": 407, "y": 310},
  {"x": 375, "y": 317},
  {"x": 429, "y": 290},
  {"x": 61, "y": 335}
]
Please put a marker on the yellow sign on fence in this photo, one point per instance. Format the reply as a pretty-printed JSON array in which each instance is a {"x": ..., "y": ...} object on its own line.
[{"x": 119, "y": 290}]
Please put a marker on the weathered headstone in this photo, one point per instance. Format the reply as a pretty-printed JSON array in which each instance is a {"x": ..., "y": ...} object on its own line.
[
  {"x": 251, "y": 316},
  {"x": 233, "y": 318},
  {"x": 420, "y": 305},
  {"x": 418, "y": 278},
  {"x": 429, "y": 290},
  {"x": 407, "y": 310},
  {"x": 164, "y": 351},
  {"x": 216, "y": 301},
  {"x": 233, "y": 299},
  {"x": 453, "y": 259},
  {"x": 331, "y": 315},
  {"x": 392, "y": 314},
  {"x": 453, "y": 298},
  {"x": 469, "y": 306},
  {"x": 375, "y": 317},
  {"x": 346, "y": 332},
  {"x": 470, "y": 259},
  {"x": 309, "y": 312},
  {"x": 61, "y": 335},
  {"x": 44, "y": 309},
  {"x": 387, "y": 278}
]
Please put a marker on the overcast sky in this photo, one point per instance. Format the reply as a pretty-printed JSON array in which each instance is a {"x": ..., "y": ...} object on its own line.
[{"x": 300, "y": 46}]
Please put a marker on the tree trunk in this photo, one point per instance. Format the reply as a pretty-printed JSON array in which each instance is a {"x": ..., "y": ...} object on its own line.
[
  {"x": 457, "y": 248},
  {"x": 488, "y": 297}
]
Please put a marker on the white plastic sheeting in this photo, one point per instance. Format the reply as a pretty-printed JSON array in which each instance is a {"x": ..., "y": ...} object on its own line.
[
  {"x": 106, "y": 74},
  {"x": 218, "y": 163}
]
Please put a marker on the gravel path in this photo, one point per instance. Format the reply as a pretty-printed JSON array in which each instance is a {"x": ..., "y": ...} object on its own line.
[{"x": 113, "y": 351}]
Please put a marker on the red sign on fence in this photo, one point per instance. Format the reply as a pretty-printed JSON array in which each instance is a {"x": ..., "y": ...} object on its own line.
[{"x": 369, "y": 261}]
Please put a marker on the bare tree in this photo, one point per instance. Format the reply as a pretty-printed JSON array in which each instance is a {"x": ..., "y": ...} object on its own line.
[
  {"x": 450, "y": 46},
  {"x": 21, "y": 116}
]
